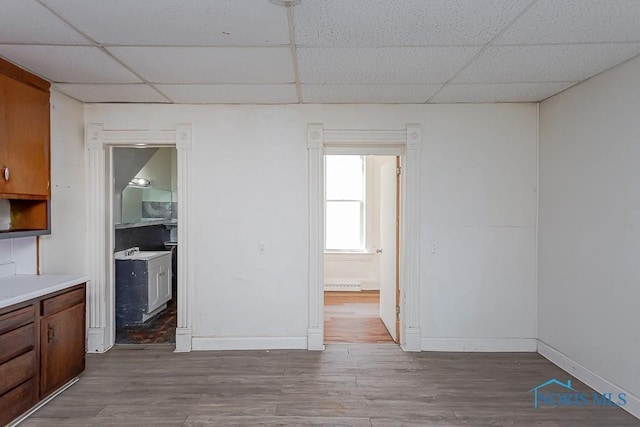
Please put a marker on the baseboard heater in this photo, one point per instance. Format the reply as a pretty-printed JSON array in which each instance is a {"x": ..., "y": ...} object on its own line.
[{"x": 348, "y": 287}]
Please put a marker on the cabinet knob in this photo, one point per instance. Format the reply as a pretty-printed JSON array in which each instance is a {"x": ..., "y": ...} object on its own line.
[{"x": 5, "y": 173}]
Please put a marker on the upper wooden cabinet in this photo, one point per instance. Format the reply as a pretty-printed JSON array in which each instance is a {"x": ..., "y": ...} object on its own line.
[{"x": 24, "y": 135}]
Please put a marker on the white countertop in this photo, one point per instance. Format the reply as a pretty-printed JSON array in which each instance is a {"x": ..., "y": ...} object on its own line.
[{"x": 22, "y": 287}]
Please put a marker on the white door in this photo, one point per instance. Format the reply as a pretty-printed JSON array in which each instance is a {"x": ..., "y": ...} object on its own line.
[{"x": 388, "y": 246}]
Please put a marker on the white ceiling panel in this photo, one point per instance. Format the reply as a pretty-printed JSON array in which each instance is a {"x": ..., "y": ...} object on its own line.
[
  {"x": 26, "y": 21},
  {"x": 576, "y": 21},
  {"x": 231, "y": 94},
  {"x": 402, "y": 22},
  {"x": 347, "y": 51},
  {"x": 367, "y": 94},
  {"x": 111, "y": 93},
  {"x": 209, "y": 64},
  {"x": 381, "y": 65},
  {"x": 69, "y": 64},
  {"x": 177, "y": 23},
  {"x": 546, "y": 63},
  {"x": 497, "y": 92}
]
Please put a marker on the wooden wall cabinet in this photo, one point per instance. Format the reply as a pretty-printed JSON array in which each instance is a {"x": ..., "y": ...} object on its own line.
[
  {"x": 24, "y": 152},
  {"x": 42, "y": 347}
]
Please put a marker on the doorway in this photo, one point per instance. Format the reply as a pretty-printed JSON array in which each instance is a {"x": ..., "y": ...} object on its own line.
[
  {"x": 406, "y": 143},
  {"x": 144, "y": 234},
  {"x": 361, "y": 256}
]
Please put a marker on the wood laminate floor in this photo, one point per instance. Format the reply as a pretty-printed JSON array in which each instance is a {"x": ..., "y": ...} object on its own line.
[
  {"x": 353, "y": 317},
  {"x": 345, "y": 385}
]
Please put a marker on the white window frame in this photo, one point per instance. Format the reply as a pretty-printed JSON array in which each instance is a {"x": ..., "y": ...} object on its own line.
[{"x": 363, "y": 210}]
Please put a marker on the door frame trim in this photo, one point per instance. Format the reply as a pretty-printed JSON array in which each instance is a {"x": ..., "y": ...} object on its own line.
[
  {"x": 408, "y": 144},
  {"x": 101, "y": 287}
]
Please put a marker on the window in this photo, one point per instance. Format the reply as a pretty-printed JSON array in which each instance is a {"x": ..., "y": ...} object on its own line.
[{"x": 344, "y": 203}]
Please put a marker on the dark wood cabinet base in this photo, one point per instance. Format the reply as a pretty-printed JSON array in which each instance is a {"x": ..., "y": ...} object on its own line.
[{"x": 42, "y": 347}]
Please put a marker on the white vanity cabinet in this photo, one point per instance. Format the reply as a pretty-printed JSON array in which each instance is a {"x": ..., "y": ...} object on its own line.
[
  {"x": 159, "y": 277},
  {"x": 143, "y": 285}
]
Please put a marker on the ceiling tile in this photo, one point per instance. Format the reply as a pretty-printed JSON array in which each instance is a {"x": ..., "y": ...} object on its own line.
[
  {"x": 209, "y": 64},
  {"x": 69, "y": 64},
  {"x": 111, "y": 92},
  {"x": 498, "y": 92},
  {"x": 576, "y": 21},
  {"x": 367, "y": 94},
  {"x": 43, "y": 26},
  {"x": 177, "y": 23},
  {"x": 382, "y": 65},
  {"x": 402, "y": 22},
  {"x": 231, "y": 94},
  {"x": 546, "y": 63}
]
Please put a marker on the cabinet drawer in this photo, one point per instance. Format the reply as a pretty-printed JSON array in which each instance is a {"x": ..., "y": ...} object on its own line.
[
  {"x": 17, "y": 401},
  {"x": 17, "y": 342},
  {"x": 58, "y": 303},
  {"x": 17, "y": 371},
  {"x": 17, "y": 318}
]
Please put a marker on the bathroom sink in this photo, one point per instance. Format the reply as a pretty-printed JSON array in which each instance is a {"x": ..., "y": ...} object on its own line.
[
  {"x": 139, "y": 255},
  {"x": 146, "y": 255}
]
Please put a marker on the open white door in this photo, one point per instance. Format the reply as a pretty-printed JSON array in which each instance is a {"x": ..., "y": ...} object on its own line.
[{"x": 388, "y": 246}]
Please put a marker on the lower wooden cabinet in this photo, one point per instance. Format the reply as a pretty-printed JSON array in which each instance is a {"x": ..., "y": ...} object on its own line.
[
  {"x": 62, "y": 341},
  {"x": 42, "y": 347}
]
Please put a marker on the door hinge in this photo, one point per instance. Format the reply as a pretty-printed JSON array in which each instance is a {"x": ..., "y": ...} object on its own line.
[
  {"x": 399, "y": 170},
  {"x": 398, "y": 310}
]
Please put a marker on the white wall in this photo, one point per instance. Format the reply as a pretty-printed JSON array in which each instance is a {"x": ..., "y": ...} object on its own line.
[
  {"x": 63, "y": 252},
  {"x": 249, "y": 177},
  {"x": 479, "y": 227},
  {"x": 362, "y": 269},
  {"x": 589, "y": 238},
  {"x": 18, "y": 256},
  {"x": 158, "y": 169}
]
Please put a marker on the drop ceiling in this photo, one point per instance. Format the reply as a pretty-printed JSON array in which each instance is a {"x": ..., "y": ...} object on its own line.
[{"x": 317, "y": 51}]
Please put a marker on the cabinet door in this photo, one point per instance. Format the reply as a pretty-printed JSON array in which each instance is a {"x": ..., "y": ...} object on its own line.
[
  {"x": 164, "y": 289},
  {"x": 62, "y": 347},
  {"x": 25, "y": 133},
  {"x": 155, "y": 278}
]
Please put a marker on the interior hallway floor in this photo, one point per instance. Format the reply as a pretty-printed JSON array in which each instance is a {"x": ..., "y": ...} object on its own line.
[
  {"x": 353, "y": 317},
  {"x": 347, "y": 385}
]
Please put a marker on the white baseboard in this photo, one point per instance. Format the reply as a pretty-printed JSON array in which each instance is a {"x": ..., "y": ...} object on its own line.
[
  {"x": 249, "y": 343},
  {"x": 315, "y": 341},
  {"x": 183, "y": 340},
  {"x": 479, "y": 344},
  {"x": 588, "y": 377},
  {"x": 344, "y": 287},
  {"x": 411, "y": 339},
  {"x": 96, "y": 341}
]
